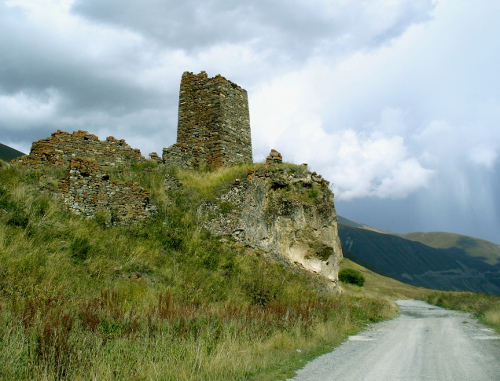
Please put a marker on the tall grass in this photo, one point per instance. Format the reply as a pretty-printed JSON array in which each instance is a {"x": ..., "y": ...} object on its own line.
[
  {"x": 156, "y": 300},
  {"x": 172, "y": 339}
]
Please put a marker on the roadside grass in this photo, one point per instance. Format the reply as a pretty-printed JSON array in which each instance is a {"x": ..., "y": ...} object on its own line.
[
  {"x": 156, "y": 300},
  {"x": 484, "y": 307},
  {"x": 172, "y": 340}
]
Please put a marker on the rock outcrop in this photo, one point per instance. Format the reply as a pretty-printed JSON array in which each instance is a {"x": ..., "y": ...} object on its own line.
[{"x": 284, "y": 210}]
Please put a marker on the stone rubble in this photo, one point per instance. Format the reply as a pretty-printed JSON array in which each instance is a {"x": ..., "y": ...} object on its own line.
[
  {"x": 274, "y": 158},
  {"x": 62, "y": 147}
]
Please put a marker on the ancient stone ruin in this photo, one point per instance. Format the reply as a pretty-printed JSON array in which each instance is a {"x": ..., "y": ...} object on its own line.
[
  {"x": 285, "y": 211},
  {"x": 62, "y": 147},
  {"x": 88, "y": 191},
  {"x": 213, "y": 130},
  {"x": 213, "y": 126}
]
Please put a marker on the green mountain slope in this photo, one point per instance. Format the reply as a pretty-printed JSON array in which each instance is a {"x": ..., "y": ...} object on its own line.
[
  {"x": 475, "y": 247},
  {"x": 8, "y": 154},
  {"x": 344, "y": 221},
  {"x": 412, "y": 262}
]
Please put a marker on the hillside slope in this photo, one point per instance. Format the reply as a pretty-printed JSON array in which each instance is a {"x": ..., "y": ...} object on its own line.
[
  {"x": 84, "y": 295},
  {"x": 475, "y": 247},
  {"x": 418, "y": 264},
  {"x": 7, "y": 153}
]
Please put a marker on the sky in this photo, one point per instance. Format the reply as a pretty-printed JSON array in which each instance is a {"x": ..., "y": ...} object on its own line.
[{"x": 395, "y": 102}]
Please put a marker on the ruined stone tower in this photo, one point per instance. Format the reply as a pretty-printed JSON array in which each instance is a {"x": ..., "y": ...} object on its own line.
[{"x": 214, "y": 124}]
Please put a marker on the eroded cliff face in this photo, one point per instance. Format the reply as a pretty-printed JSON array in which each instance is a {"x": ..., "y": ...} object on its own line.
[{"x": 283, "y": 210}]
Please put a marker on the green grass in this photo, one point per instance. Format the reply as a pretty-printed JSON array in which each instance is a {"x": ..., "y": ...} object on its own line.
[{"x": 156, "y": 300}]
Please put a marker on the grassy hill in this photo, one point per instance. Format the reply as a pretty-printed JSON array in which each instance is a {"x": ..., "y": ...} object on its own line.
[
  {"x": 8, "y": 154},
  {"x": 158, "y": 299},
  {"x": 345, "y": 222}
]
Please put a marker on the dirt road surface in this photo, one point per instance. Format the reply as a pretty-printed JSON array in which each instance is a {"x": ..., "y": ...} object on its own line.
[{"x": 425, "y": 343}]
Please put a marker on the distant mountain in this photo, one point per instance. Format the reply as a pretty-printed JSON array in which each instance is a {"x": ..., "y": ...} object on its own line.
[
  {"x": 8, "y": 154},
  {"x": 444, "y": 268},
  {"x": 487, "y": 251}
]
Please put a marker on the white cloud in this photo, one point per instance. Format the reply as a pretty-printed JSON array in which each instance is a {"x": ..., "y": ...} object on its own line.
[{"x": 374, "y": 166}]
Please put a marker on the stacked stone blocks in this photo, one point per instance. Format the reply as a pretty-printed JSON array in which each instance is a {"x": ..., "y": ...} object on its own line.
[
  {"x": 87, "y": 191},
  {"x": 213, "y": 126},
  {"x": 62, "y": 147}
]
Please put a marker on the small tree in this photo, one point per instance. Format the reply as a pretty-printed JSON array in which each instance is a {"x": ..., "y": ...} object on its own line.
[{"x": 352, "y": 276}]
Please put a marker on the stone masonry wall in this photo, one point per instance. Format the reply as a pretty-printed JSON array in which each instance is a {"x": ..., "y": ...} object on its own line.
[
  {"x": 88, "y": 191},
  {"x": 214, "y": 123},
  {"x": 62, "y": 147}
]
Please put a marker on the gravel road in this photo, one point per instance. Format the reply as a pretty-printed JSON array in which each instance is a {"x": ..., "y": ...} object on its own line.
[{"x": 424, "y": 343}]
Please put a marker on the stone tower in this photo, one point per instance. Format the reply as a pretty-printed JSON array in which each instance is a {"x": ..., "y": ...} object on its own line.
[{"x": 214, "y": 123}]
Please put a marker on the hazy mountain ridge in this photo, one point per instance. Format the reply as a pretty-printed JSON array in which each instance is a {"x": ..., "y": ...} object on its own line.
[{"x": 413, "y": 262}]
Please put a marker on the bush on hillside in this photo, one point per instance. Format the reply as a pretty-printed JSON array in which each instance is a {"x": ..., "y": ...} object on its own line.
[{"x": 352, "y": 276}]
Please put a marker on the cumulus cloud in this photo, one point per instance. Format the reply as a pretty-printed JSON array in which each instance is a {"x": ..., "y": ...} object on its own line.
[
  {"x": 360, "y": 164},
  {"x": 364, "y": 157}
]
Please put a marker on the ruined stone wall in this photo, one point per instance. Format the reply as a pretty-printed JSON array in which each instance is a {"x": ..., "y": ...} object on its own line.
[
  {"x": 62, "y": 147},
  {"x": 88, "y": 191},
  {"x": 214, "y": 123}
]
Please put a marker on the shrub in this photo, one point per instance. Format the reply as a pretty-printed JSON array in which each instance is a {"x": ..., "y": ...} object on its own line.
[{"x": 352, "y": 276}]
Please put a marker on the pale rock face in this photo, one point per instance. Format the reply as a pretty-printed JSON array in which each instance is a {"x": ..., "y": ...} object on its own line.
[{"x": 282, "y": 211}]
